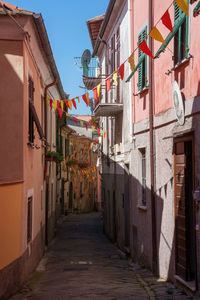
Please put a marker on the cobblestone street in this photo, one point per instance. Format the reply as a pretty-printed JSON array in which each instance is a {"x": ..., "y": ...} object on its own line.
[{"x": 83, "y": 264}]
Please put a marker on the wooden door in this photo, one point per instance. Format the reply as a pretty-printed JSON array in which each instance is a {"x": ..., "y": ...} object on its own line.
[{"x": 184, "y": 210}]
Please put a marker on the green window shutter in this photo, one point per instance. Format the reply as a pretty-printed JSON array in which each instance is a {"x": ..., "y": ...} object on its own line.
[
  {"x": 177, "y": 13},
  {"x": 142, "y": 68}
]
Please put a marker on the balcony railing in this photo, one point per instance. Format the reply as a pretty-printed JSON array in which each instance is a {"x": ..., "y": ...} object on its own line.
[{"x": 91, "y": 74}]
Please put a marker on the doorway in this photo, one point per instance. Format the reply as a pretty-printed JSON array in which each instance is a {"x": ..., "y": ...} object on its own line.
[
  {"x": 185, "y": 248},
  {"x": 70, "y": 196}
]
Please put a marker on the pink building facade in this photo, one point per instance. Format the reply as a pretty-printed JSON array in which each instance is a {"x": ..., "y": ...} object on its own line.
[{"x": 28, "y": 77}]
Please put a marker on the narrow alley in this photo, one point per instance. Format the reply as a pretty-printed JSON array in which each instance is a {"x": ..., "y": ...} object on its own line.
[{"x": 83, "y": 264}]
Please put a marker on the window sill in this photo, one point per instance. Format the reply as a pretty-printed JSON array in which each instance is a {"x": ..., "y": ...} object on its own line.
[
  {"x": 182, "y": 63},
  {"x": 145, "y": 89},
  {"x": 142, "y": 207}
]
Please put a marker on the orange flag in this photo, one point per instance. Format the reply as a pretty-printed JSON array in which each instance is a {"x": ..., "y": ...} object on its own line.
[
  {"x": 156, "y": 35},
  {"x": 182, "y": 4}
]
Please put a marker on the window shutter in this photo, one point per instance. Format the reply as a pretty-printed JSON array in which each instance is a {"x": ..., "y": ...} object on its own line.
[
  {"x": 142, "y": 69},
  {"x": 177, "y": 13}
]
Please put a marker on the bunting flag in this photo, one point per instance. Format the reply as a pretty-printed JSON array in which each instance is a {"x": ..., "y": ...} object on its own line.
[
  {"x": 85, "y": 99},
  {"x": 54, "y": 104},
  {"x": 96, "y": 141},
  {"x": 143, "y": 46},
  {"x": 62, "y": 104},
  {"x": 108, "y": 84},
  {"x": 86, "y": 126},
  {"x": 48, "y": 100},
  {"x": 78, "y": 98},
  {"x": 88, "y": 98},
  {"x": 75, "y": 120},
  {"x": 182, "y": 4},
  {"x": 115, "y": 79},
  {"x": 70, "y": 104},
  {"x": 131, "y": 62},
  {"x": 67, "y": 114},
  {"x": 156, "y": 35},
  {"x": 166, "y": 20},
  {"x": 58, "y": 104},
  {"x": 67, "y": 104},
  {"x": 98, "y": 131},
  {"x": 121, "y": 71},
  {"x": 51, "y": 102},
  {"x": 81, "y": 122},
  {"x": 92, "y": 129},
  {"x": 60, "y": 111},
  {"x": 98, "y": 89},
  {"x": 95, "y": 94},
  {"x": 104, "y": 135},
  {"x": 74, "y": 103}
]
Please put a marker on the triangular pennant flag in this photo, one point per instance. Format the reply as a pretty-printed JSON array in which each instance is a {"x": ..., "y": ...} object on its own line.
[
  {"x": 51, "y": 102},
  {"x": 131, "y": 62},
  {"x": 98, "y": 131},
  {"x": 104, "y": 135},
  {"x": 85, "y": 99},
  {"x": 143, "y": 46},
  {"x": 108, "y": 84},
  {"x": 155, "y": 34},
  {"x": 67, "y": 104},
  {"x": 81, "y": 122},
  {"x": 60, "y": 112},
  {"x": 62, "y": 104},
  {"x": 115, "y": 78},
  {"x": 54, "y": 104},
  {"x": 70, "y": 104},
  {"x": 92, "y": 128},
  {"x": 86, "y": 126},
  {"x": 98, "y": 89},
  {"x": 166, "y": 20},
  {"x": 74, "y": 103},
  {"x": 78, "y": 98},
  {"x": 48, "y": 101},
  {"x": 95, "y": 94},
  {"x": 96, "y": 141},
  {"x": 75, "y": 120},
  {"x": 121, "y": 71},
  {"x": 182, "y": 4},
  {"x": 68, "y": 115},
  {"x": 58, "y": 104},
  {"x": 88, "y": 98}
]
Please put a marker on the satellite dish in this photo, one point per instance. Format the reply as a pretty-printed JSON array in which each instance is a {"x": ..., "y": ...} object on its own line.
[
  {"x": 86, "y": 57},
  {"x": 178, "y": 104}
]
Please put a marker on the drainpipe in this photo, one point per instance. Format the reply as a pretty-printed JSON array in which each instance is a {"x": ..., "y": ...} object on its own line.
[{"x": 151, "y": 136}]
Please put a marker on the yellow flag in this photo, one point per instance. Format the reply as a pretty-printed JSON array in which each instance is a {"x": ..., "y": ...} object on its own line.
[
  {"x": 131, "y": 62},
  {"x": 155, "y": 34},
  {"x": 68, "y": 115},
  {"x": 54, "y": 104},
  {"x": 92, "y": 128},
  {"x": 88, "y": 98},
  {"x": 81, "y": 122},
  {"x": 115, "y": 79},
  {"x": 48, "y": 100},
  {"x": 182, "y": 4},
  {"x": 62, "y": 105},
  {"x": 78, "y": 99},
  {"x": 98, "y": 89},
  {"x": 70, "y": 104}
]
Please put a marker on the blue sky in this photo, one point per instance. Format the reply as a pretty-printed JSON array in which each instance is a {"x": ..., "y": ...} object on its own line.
[{"x": 65, "y": 21}]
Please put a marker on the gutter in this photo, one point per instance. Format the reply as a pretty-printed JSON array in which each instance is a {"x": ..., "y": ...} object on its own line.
[
  {"x": 103, "y": 26},
  {"x": 46, "y": 47}
]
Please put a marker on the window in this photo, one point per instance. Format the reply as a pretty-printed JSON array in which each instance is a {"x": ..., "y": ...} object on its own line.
[
  {"x": 143, "y": 176},
  {"x": 181, "y": 36},
  {"x": 142, "y": 69},
  {"x": 66, "y": 147},
  {"x": 29, "y": 219},
  {"x": 31, "y": 101},
  {"x": 81, "y": 189}
]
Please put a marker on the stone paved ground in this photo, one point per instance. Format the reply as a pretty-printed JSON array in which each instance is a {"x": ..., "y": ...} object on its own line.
[{"x": 83, "y": 264}]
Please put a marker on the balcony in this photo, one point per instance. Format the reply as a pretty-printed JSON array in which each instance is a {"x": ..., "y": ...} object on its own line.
[
  {"x": 111, "y": 104},
  {"x": 91, "y": 74}
]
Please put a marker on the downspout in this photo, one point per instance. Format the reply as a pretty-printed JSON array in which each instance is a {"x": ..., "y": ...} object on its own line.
[{"x": 151, "y": 136}]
